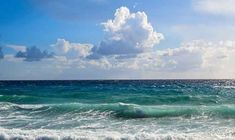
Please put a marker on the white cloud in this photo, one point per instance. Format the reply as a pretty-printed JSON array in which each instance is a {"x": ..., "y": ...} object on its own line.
[
  {"x": 128, "y": 33},
  {"x": 210, "y": 59},
  {"x": 14, "y": 69},
  {"x": 195, "y": 59},
  {"x": 71, "y": 50},
  {"x": 216, "y": 7},
  {"x": 127, "y": 52}
]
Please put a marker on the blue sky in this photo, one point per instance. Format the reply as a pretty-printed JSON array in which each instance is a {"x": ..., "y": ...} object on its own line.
[
  {"x": 41, "y": 23},
  {"x": 78, "y": 29}
]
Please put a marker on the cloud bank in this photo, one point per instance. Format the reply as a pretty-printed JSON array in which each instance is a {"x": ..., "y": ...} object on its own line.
[{"x": 195, "y": 59}]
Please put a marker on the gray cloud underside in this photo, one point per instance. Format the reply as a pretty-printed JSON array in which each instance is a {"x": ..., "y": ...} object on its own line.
[
  {"x": 1, "y": 54},
  {"x": 33, "y": 54}
]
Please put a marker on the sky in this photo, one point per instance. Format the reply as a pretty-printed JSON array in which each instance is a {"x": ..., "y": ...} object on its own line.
[{"x": 117, "y": 39}]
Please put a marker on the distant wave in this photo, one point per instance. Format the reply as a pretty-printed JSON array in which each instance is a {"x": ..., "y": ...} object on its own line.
[
  {"x": 142, "y": 99},
  {"x": 122, "y": 110},
  {"x": 225, "y": 87}
]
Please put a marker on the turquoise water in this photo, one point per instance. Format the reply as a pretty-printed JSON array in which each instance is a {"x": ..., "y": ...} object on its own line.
[{"x": 139, "y": 109}]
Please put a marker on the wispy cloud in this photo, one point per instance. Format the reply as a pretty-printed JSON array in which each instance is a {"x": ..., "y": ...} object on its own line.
[
  {"x": 17, "y": 47},
  {"x": 216, "y": 7},
  {"x": 75, "y": 9},
  {"x": 204, "y": 31}
]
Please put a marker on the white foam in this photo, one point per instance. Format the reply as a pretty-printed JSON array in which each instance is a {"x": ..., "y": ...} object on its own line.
[
  {"x": 226, "y": 87},
  {"x": 76, "y": 134}
]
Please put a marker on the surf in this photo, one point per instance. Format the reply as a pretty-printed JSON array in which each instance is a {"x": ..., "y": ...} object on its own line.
[{"x": 124, "y": 110}]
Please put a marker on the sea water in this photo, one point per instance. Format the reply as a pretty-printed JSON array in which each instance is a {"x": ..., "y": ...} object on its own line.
[{"x": 118, "y": 109}]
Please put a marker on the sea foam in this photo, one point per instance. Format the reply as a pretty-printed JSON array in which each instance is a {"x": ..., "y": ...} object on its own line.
[{"x": 16, "y": 134}]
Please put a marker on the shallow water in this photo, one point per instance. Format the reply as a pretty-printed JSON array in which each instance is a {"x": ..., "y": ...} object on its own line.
[{"x": 140, "y": 109}]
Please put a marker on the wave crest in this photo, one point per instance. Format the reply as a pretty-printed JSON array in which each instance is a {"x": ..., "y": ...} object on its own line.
[{"x": 122, "y": 110}]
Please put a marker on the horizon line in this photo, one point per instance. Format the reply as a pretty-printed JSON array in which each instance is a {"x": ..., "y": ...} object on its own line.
[{"x": 114, "y": 79}]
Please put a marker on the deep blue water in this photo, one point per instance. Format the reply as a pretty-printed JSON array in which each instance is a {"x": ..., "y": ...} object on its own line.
[{"x": 128, "y": 109}]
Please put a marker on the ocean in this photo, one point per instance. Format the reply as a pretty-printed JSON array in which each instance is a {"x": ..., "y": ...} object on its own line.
[{"x": 117, "y": 110}]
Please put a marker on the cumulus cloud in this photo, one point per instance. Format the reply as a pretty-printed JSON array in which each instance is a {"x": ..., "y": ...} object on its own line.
[
  {"x": 33, "y": 54},
  {"x": 195, "y": 56},
  {"x": 201, "y": 59},
  {"x": 195, "y": 59},
  {"x": 1, "y": 54},
  {"x": 216, "y": 7},
  {"x": 128, "y": 33},
  {"x": 71, "y": 50},
  {"x": 127, "y": 52}
]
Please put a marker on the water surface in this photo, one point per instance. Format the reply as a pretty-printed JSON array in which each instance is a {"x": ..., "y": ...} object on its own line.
[{"x": 130, "y": 109}]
